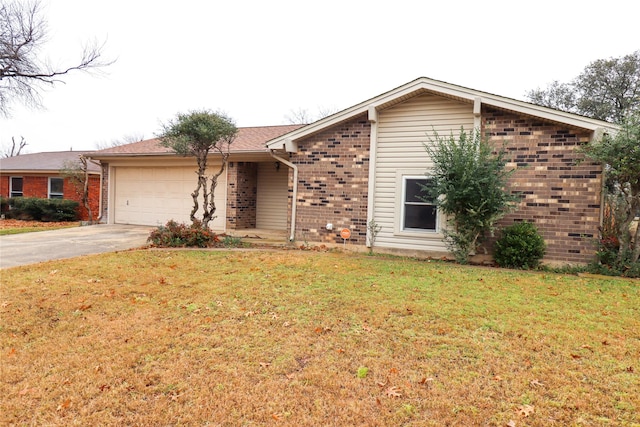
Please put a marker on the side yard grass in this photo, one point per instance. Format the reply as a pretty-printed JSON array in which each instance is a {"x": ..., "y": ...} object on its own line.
[{"x": 238, "y": 338}]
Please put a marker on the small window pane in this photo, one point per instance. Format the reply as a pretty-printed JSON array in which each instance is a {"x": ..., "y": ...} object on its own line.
[
  {"x": 420, "y": 216},
  {"x": 414, "y": 190},
  {"x": 56, "y": 188},
  {"x": 16, "y": 186}
]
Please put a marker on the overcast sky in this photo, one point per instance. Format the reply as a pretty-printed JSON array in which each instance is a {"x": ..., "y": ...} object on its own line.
[{"x": 259, "y": 60}]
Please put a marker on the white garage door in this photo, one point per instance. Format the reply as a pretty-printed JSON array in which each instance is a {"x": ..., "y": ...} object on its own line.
[{"x": 154, "y": 195}]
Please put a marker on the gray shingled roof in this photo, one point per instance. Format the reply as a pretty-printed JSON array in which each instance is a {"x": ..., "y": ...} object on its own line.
[{"x": 43, "y": 162}]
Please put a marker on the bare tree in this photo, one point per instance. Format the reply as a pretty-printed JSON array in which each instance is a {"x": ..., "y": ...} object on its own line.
[
  {"x": 23, "y": 72},
  {"x": 126, "y": 139},
  {"x": 14, "y": 150},
  {"x": 303, "y": 116},
  {"x": 77, "y": 172}
]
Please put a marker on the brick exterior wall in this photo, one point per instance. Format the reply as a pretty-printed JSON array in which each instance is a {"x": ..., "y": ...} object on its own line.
[
  {"x": 560, "y": 194},
  {"x": 38, "y": 186},
  {"x": 242, "y": 193},
  {"x": 333, "y": 175}
]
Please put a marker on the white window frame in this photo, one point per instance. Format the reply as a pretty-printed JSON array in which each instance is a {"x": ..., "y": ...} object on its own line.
[
  {"x": 401, "y": 182},
  {"x": 51, "y": 194},
  {"x": 11, "y": 186}
]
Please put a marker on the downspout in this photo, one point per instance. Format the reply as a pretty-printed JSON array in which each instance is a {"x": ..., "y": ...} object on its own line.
[
  {"x": 97, "y": 163},
  {"x": 292, "y": 236},
  {"x": 371, "y": 189}
]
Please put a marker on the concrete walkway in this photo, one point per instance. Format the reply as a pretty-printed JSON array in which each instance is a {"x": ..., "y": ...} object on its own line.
[{"x": 30, "y": 248}]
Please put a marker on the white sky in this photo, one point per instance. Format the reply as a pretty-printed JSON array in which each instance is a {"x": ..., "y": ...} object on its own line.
[{"x": 258, "y": 60}]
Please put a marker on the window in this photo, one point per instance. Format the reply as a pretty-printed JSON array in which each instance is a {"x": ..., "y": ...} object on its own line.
[
  {"x": 16, "y": 186},
  {"x": 417, "y": 214},
  {"x": 56, "y": 188}
]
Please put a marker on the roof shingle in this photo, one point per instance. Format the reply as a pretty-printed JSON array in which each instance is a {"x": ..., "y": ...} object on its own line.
[{"x": 248, "y": 139}]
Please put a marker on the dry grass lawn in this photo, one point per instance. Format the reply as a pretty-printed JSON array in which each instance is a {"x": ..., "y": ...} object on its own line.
[
  {"x": 14, "y": 226},
  {"x": 298, "y": 338}
]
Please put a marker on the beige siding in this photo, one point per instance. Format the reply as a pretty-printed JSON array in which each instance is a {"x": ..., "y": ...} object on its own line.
[
  {"x": 154, "y": 195},
  {"x": 402, "y": 132},
  {"x": 271, "y": 213}
]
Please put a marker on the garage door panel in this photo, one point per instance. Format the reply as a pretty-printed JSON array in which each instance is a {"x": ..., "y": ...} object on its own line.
[{"x": 154, "y": 195}]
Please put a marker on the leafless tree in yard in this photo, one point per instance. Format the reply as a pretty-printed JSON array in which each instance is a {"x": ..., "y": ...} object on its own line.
[
  {"x": 77, "y": 172},
  {"x": 23, "y": 70},
  {"x": 14, "y": 150}
]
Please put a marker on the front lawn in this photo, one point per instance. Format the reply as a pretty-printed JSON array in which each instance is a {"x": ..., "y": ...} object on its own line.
[{"x": 306, "y": 338}]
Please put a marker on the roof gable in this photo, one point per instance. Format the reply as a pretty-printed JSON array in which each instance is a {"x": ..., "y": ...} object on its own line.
[{"x": 448, "y": 90}]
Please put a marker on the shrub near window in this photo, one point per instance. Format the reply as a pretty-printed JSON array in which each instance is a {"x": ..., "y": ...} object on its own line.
[
  {"x": 520, "y": 246},
  {"x": 46, "y": 210}
]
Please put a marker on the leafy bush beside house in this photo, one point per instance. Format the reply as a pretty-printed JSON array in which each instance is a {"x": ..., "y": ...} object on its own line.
[
  {"x": 47, "y": 210},
  {"x": 468, "y": 182}
]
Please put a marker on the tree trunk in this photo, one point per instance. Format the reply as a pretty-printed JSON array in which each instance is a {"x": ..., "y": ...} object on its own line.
[{"x": 202, "y": 183}]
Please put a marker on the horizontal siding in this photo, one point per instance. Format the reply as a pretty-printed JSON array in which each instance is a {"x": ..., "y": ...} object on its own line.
[
  {"x": 402, "y": 133},
  {"x": 273, "y": 192}
]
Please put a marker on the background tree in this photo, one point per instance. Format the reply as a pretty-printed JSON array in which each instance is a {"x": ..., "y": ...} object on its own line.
[
  {"x": 302, "y": 116},
  {"x": 607, "y": 89},
  {"x": 23, "y": 33},
  {"x": 125, "y": 139},
  {"x": 15, "y": 149},
  {"x": 468, "y": 183},
  {"x": 77, "y": 173},
  {"x": 198, "y": 134},
  {"x": 621, "y": 155}
]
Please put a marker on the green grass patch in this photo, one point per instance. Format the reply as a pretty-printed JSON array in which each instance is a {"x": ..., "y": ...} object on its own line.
[{"x": 284, "y": 337}]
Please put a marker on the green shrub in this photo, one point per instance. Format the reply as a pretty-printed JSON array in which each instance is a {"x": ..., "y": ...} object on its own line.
[
  {"x": 175, "y": 234},
  {"x": 47, "y": 210},
  {"x": 520, "y": 246}
]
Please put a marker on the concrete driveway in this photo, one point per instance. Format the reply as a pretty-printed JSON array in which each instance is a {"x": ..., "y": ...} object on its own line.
[{"x": 29, "y": 248}]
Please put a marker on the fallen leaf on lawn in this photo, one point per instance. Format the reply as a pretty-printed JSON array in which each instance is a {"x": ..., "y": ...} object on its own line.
[
  {"x": 425, "y": 380},
  {"x": 275, "y": 416},
  {"x": 340, "y": 350},
  {"x": 393, "y": 392},
  {"x": 525, "y": 410},
  {"x": 84, "y": 307},
  {"x": 64, "y": 405},
  {"x": 378, "y": 402},
  {"x": 536, "y": 383},
  {"x": 511, "y": 423},
  {"x": 576, "y": 356}
]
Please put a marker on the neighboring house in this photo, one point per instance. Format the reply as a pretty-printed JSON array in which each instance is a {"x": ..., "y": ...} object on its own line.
[
  {"x": 147, "y": 184},
  {"x": 38, "y": 175},
  {"x": 364, "y": 164}
]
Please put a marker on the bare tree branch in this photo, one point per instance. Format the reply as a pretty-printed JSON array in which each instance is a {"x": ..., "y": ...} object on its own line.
[
  {"x": 14, "y": 151},
  {"x": 23, "y": 72}
]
